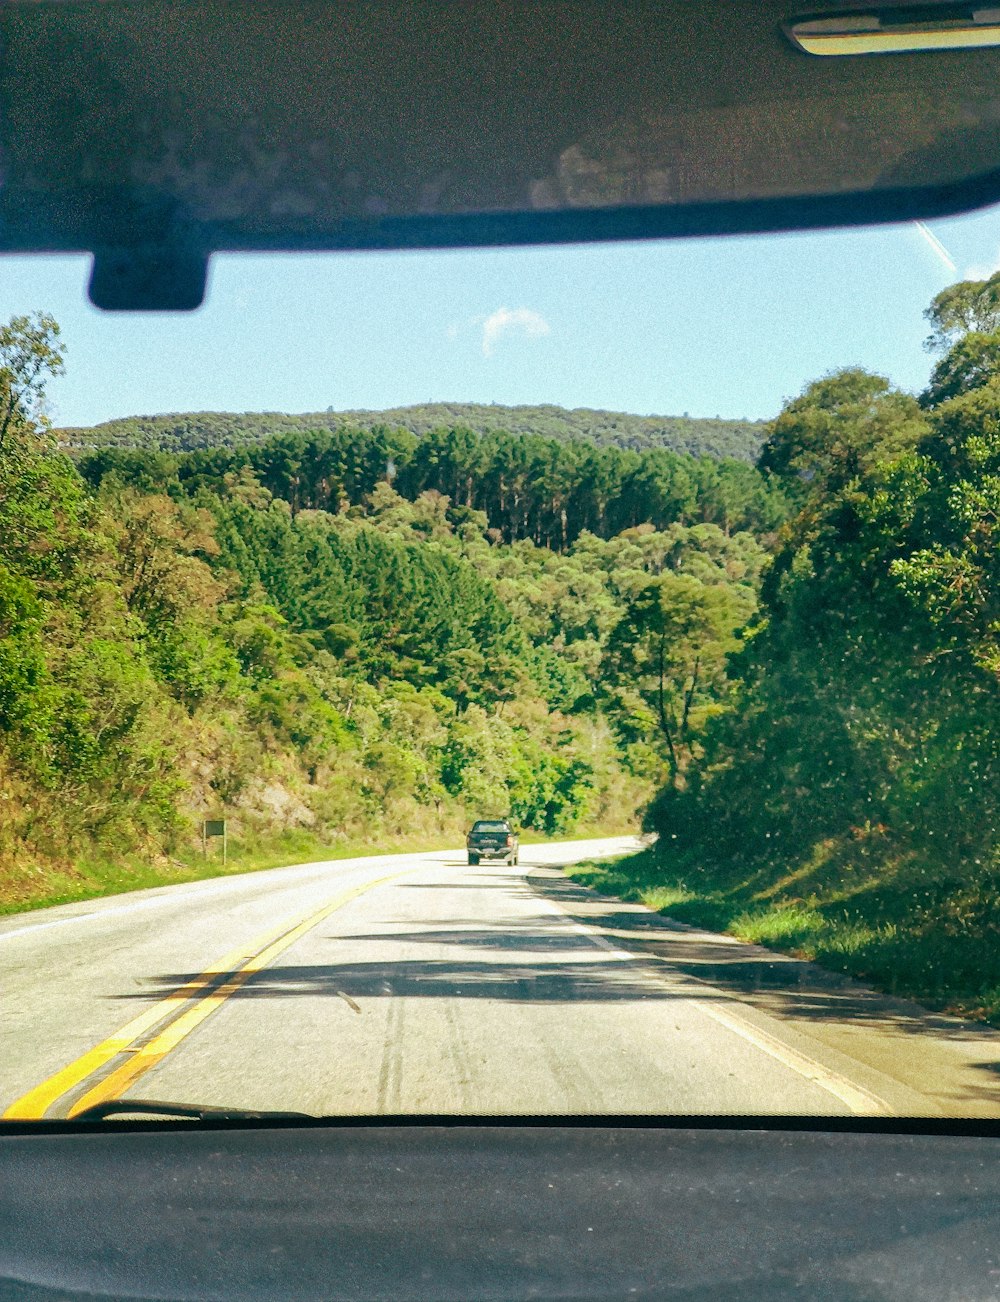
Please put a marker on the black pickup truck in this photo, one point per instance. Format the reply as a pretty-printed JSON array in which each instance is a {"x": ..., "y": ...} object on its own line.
[{"x": 492, "y": 838}]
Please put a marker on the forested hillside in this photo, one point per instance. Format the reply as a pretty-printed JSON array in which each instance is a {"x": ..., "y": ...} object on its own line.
[
  {"x": 845, "y": 801},
  {"x": 190, "y": 431},
  {"x": 359, "y": 631},
  {"x": 346, "y": 637},
  {"x": 528, "y": 487}
]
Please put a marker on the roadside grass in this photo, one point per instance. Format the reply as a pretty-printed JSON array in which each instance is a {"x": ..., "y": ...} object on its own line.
[
  {"x": 39, "y": 886},
  {"x": 939, "y": 948},
  {"x": 25, "y": 886}
]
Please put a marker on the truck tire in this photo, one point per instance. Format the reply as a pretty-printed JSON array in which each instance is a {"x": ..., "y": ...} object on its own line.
[{"x": 473, "y": 859}]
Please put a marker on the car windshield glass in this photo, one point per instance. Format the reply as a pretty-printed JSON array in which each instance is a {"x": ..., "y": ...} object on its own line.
[{"x": 681, "y": 555}]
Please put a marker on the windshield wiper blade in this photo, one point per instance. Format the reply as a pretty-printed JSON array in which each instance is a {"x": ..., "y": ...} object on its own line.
[{"x": 182, "y": 1111}]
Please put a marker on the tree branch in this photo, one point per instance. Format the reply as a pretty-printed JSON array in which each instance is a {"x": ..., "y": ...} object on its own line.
[
  {"x": 664, "y": 723},
  {"x": 689, "y": 696}
]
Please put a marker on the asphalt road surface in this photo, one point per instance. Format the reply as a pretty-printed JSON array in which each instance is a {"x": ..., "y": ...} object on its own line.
[{"x": 417, "y": 984}]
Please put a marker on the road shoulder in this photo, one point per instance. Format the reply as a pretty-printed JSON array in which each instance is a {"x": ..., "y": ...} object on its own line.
[{"x": 922, "y": 1063}]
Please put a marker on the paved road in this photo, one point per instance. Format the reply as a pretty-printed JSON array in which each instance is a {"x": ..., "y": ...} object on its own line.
[{"x": 415, "y": 983}]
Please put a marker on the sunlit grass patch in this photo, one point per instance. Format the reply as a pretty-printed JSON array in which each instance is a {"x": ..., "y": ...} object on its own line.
[
  {"x": 604, "y": 875},
  {"x": 810, "y": 933},
  {"x": 639, "y": 877},
  {"x": 931, "y": 941},
  {"x": 610, "y": 883},
  {"x": 665, "y": 898},
  {"x": 783, "y": 925},
  {"x": 855, "y": 938},
  {"x": 93, "y": 878}
]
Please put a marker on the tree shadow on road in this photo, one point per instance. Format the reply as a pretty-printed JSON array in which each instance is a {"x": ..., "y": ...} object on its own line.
[
  {"x": 524, "y": 981},
  {"x": 783, "y": 985},
  {"x": 524, "y": 957}
]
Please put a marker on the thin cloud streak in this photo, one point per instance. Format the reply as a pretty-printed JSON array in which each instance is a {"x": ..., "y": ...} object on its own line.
[{"x": 935, "y": 244}]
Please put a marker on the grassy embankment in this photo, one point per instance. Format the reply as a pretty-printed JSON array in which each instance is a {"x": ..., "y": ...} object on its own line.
[
  {"x": 888, "y": 923},
  {"x": 37, "y": 886}
]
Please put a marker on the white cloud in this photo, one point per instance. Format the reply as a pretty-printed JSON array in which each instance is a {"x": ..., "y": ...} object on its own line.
[{"x": 506, "y": 319}]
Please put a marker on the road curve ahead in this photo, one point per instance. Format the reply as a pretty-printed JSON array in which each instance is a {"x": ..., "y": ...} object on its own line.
[{"x": 418, "y": 984}]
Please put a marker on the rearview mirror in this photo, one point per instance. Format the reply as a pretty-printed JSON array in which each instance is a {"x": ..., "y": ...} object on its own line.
[{"x": 155, "y": 134}]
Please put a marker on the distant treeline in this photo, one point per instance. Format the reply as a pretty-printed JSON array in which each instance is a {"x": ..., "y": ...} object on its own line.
[
  {"x": 529, "y": 487},
  {"x": 193, "y": 431}
]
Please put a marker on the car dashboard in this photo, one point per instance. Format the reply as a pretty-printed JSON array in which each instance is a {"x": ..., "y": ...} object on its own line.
[{"x": 459, "y": 1210}]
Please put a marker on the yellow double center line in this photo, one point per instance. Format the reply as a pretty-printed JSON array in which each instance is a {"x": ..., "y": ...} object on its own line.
[{"x": 236, "y": 967}]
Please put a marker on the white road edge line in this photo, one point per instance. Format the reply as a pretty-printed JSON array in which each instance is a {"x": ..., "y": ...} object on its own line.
[
  {"x": 862, "y": 1102},
  {"x": 173, "y": 895}
]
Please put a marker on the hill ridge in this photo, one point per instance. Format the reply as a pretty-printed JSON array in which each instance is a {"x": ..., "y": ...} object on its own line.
[{"x": 189, "y": 431}]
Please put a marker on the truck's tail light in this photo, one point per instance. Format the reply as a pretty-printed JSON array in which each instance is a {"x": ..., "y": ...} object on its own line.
[{"x": 510, "y": 840}]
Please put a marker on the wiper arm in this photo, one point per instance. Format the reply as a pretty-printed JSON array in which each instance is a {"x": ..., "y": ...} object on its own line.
[{"x": 183, "y": 1111}]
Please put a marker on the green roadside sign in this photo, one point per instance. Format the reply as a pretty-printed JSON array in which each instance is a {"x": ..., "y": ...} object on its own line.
[{"x": 215, "y": 827}]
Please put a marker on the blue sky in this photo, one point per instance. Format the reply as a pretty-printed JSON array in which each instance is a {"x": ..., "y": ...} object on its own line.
[{"x": 726, "y": 327}]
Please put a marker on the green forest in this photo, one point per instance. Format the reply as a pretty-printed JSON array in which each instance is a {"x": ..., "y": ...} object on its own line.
[
  {"x": 343, "y": 637},
  {"x": 190, "y": 431},
  {"x": 339, "y": 631},
  {"x": 842, "y": 802}
]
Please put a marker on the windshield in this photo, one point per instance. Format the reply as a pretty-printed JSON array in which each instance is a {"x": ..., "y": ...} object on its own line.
[{"x": 682, "y": 555}]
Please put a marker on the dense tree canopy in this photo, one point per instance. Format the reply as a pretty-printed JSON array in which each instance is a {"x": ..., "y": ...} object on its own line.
[
  {"x": 356, "y": 629},
  {"x": 30, "y": 353},
  {"x": 191, "y": 431},
  {"x": 528, "y": 487},
  {"x": 858, "y": 760},
  {"x": 358, "y": 625},
  {"x": 968, "y": 307}
]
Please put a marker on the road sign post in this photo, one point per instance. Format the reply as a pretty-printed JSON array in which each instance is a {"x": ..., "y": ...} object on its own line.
[{"x": 215, "y": 827}]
